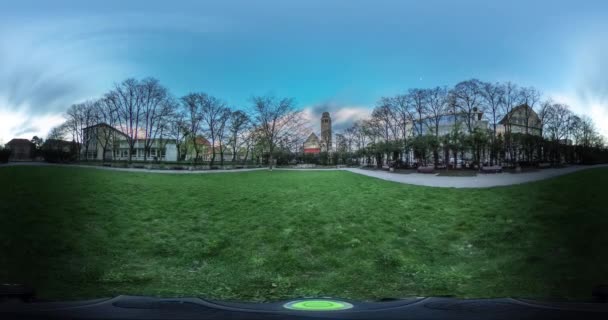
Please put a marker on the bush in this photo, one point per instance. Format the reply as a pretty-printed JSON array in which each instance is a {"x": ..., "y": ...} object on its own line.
[
  {"x": 58, "y": 156},
  {"x": 4, "y": 155}
]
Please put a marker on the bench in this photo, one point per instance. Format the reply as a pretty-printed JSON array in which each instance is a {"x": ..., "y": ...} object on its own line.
[
  {"x": 491, "y": 169},
  {"x": 544, "y": 165},
  {"x": 306, "y": 166},
  {"x": 426, "y": 169}
]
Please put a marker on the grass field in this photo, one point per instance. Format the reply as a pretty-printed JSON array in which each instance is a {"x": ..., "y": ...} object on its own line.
[{"x": 81, "y": 233}]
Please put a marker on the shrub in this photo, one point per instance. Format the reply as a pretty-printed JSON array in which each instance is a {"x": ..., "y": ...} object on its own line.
[
  {"x": 4, "y": 155},
  {"x": 58, "y": 156}
]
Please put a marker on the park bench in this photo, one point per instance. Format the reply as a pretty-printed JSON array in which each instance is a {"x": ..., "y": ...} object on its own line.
[
  {"x": 491, "y": 169},
  {"x": 544, "y": 165},
  {"x": 305, "y": 165},
  {"x": 426, "y": 169}
]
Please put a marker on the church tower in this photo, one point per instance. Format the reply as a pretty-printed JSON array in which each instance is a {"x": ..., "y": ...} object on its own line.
[{"x": 326, "y": 143}]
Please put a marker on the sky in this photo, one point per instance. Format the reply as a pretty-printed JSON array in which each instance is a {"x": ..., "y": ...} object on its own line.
[{"x": 336, "y": 56}]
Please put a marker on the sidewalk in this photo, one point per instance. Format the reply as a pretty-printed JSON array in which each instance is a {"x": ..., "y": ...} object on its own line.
[
  {"x": 421, "y": 179},
  {"x": 479, "y": 181},
  {"x": 42, "y": 164}
]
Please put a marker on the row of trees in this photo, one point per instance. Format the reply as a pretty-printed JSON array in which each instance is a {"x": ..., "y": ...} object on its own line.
[
  {"x": 440, "y": 125},
  {"x": 407, "y": 128},
  {"x": 146, "y": 112}
]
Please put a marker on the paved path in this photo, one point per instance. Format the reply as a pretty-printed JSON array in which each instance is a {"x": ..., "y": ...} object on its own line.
[
  {"x": 479, "y": 181},
  {"x": 40, "y": 164},
  {"x": 430, "y": 180}
]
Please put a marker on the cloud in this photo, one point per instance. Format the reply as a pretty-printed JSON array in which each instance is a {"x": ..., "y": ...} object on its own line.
[
  {"x": 586, "y": 87},
  {"x": 342, "y": 116},
  {"x": 51, "y": 62},
  {"x": 18, "y": 124},
  {"x": 590, "y": 105}
]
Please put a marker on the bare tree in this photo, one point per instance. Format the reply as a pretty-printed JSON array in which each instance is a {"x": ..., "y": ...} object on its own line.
[
  {"x": 177, "y": 129},
  {"x": 511, "y": 98},
  {"x": 107, "y": 115},
  {"x": 436, "y": 107},
  {"x": 156, "y": 108},
  {"x": 126, "y": 99},
  {"x": 493, "y": 94},
  {"x": 386, "y": 120},
  {"x": 238, "y": 125},
  {"x": 467, "y": 98},
  {"x": 544, "y": 113},
  {"x": 417, "y": 99},
  {"x": 214, "y": 116},
  {"x": 59, "y": 132},
  {"x": 193, "y": 103},
  {"x": 276, "y": 119},
  {"x": 81, "y": 116},
  {"x": 404, "y": 112},
  {"x": 529, "y": 97},
  {"x": 558, "y": 126},
  {"x": 223, "y": 134}
]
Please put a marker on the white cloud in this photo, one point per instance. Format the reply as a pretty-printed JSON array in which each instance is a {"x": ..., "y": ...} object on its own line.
[
  {"x": 18, "y": 124},
  {"x": 595, "y": 108},
  {"x": 585, "y": 86}
]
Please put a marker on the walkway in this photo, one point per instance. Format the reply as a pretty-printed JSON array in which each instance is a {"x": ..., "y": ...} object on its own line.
[
  {"x": 429, "y": 180},
  {"x": 40, "y": 164},
  {"x": 479, "y": 181}
]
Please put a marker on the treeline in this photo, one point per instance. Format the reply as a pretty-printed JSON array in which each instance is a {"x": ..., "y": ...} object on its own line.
[
  {"x": 441, "y": 126},
  {"x": 462, "y": 126},
  {"x": 146, "y": 112}
]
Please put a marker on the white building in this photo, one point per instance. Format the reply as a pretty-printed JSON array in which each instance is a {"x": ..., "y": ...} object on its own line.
[{"x": 104, "y": 142}]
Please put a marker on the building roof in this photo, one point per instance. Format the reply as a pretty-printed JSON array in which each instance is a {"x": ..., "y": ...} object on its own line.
[
  {"x": 103, "y": 124},
  {"x": 58, "y": 141},
  {"x": 516, "y": 109},
  {"x": 202, "y": 141},
  {"x": 17, "y": 141},
  {"x": 312, "y": 138}
]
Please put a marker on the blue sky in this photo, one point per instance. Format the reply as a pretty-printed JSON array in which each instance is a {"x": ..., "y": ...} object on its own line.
[{"x": 339, "y": 56}]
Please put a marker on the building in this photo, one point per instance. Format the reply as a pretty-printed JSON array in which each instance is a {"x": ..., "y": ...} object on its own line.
[
  {"x": 448, "y": 122},
  {"x": 200, "y": 144},
  {"x": 312, "y": 144},
  {"x": 522, "y": 119},
  {"x": 21, "y": 150},
  {"x": 326, "y": 136},
  {"x": 104, "y": 142}
]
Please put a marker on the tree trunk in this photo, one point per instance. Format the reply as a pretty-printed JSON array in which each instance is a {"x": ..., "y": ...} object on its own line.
[{"x": 212, "y": 157}]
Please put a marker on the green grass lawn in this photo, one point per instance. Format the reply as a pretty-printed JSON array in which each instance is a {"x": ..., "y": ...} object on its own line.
[{"x": 81, "y": 233}]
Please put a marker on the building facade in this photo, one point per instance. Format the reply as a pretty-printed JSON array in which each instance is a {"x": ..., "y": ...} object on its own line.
[
  {"x": 314, "y": 145},
  {"x": 448, "y": 122},
  {"x": 21, "y": 150},
  {"x": 104, "y": 142},
  {"x": 522, "y": 119},
  {"x": 326, "y": 134}
]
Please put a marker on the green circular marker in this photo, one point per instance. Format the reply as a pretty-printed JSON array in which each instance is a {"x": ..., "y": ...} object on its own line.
[{"x": 317, "y": 305}]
